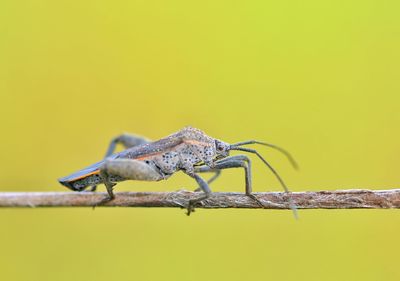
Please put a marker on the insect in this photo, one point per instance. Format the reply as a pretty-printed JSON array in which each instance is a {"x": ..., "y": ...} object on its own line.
[{"x": 189, "y": 150}]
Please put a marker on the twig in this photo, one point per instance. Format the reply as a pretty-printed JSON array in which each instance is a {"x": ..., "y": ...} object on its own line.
[{"x": 341, "y": 199}]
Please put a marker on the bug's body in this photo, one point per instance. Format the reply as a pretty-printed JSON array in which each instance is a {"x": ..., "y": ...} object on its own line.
[
  {"x": 189, "y": 150},
  {"x": 182, "y": 150}
]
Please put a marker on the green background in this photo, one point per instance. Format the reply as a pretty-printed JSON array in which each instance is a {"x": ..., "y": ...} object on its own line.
[{"x": 320, "y": 78}]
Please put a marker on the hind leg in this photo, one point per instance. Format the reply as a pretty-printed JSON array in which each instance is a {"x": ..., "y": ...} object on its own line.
[
  {"x": 126, "y": 169},
  {"x": 128, "y": 141}
]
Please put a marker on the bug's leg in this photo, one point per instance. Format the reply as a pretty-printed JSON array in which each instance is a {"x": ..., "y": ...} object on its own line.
[
  {"x": 204, "y": 186},
  {"x": 109, "y": 186},
  {"x": 126, "y": 169},
  {"x": 217, "y": 173},
  {"x": 238, "y": 161},
  {"x": 127, "y": 140}
]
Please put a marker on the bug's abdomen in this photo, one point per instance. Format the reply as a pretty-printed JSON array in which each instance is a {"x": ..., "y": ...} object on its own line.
[
  {"x": 168, "y": 162},
  {"x": 80, "y": 179},
  {"x": 88, "y": 176},
  {"x": 81, "y": 183}
]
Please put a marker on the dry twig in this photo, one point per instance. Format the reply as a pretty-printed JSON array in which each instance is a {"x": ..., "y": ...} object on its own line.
[{"x": 340, "y": 199}]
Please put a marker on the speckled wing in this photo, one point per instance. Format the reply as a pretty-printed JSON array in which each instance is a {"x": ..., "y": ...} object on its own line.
[
  {"x": 152, "y": 148},
  {"x": 94, "y": 168}
]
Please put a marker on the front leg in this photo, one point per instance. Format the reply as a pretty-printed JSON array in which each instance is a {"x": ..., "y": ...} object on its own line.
[{"x": 238, "y": 161}]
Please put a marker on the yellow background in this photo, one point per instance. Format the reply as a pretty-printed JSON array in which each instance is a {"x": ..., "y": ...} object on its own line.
[{"x": 320, "y": 78}]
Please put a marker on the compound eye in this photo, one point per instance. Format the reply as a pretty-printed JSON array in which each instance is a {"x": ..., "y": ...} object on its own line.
[{"x": 219, "y": 146}]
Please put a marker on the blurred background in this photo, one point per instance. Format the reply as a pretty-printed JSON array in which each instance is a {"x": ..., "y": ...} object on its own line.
[{"x": 318, "y": 78}]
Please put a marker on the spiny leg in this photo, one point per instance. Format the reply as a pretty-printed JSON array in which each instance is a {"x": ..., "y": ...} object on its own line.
[
  {"x": 126, "y": 169},
  {"x": 237, "y": 161},
  {"x": 128, "y": 141},
  {"x": 204, "y": 186}
]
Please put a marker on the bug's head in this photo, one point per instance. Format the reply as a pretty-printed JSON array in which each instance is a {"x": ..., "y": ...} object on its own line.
[{"x": 222, "y": 149}]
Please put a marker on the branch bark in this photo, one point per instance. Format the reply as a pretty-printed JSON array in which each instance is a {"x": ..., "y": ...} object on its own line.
[{"x": 340, "y": 199}]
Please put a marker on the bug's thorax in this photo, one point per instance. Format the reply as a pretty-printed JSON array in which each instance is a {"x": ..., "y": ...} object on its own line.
[
  {"x": 183, "y": 156},
  {"x": 192, "y": 147}
]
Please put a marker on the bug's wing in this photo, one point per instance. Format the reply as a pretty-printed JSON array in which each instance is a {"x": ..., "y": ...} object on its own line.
[
  {"x": 85, "y": 172},
  {"x": 131, "y": 153},
  {"x": 147, "y": 149},
  {"x": 81, "y": 173}
]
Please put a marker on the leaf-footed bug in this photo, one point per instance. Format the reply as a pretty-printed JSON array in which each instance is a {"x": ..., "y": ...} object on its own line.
[{"x": 189, "y": 150}]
